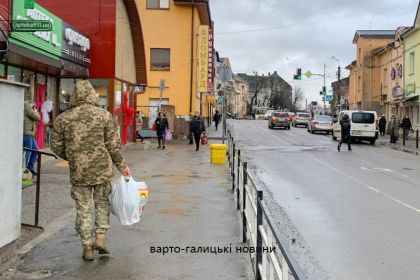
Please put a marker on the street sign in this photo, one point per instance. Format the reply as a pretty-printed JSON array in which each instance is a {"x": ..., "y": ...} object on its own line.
[
  {"x": 220, "y": 100},
  {"x": 329, "y": 98},
  {"x": 308, "y": 74},
  {"x": 162, "y": 85},
  {"x": 31, "y": 25}
]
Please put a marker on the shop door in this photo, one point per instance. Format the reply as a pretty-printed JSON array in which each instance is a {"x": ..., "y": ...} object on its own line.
[{"x": 154, "y": 109}]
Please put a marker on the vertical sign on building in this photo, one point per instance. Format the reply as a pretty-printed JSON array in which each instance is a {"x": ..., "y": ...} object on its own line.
[
  {"x": 211, "y": 61},
  {"x": 203, "y": 58}
]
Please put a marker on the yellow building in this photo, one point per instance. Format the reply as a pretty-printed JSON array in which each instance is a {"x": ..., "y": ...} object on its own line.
[
  {"x": 412, "y": 71},
  {"x": 365, "y": 78},
  {"x": 171, "y": 37}
]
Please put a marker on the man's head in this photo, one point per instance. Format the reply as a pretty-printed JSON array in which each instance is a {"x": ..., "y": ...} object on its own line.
[
  {"x": 197, "y": 114},
  {"x": 84, "y": 93}
]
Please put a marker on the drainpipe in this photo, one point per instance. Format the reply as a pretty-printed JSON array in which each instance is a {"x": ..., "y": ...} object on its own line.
[{"x": 192, "y": 54}]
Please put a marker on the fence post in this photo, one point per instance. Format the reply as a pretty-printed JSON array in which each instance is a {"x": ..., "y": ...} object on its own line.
[
  {"x": 245, "y": 182},
  {"x": 258, "y": 253},
  {"x": 233, "y": 168},
  {"x": 238, "y": 203},
  {"x": 417, "y": 139}
]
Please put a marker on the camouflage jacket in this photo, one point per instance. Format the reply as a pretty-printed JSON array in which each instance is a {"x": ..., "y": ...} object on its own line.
[
  {"x": 30, "y": 119},
  {"x": 86, "y": 137}
]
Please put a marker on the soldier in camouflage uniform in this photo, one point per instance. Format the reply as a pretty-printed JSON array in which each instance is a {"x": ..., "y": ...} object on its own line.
[{"x": 86, "y": 137}]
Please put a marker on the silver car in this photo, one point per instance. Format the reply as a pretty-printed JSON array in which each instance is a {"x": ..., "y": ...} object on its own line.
[
  {"x": 320, "y": 123},
  {"x": 301, "y": 119}
]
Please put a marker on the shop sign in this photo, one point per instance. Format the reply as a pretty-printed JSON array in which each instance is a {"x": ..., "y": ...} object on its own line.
[
  {"x": 211, "y": 99},
  {"x": 411, "y": 90},
  {"x": 400, "y": 71},
  {"x": 76, "y": 45},
  {"x": 44, "y": 42},
  {"x": 397, "y": 92},
  {"x": 203, "y": 58},
  {"x": 211, "y": 61},
  {"x": 31, "y": 25},
  {"x": 393, "y": 73}
]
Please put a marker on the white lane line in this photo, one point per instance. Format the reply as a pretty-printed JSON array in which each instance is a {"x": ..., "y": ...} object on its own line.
[
  {"x": 366, "y": 185},
  {"x": 358, "y": 181}
]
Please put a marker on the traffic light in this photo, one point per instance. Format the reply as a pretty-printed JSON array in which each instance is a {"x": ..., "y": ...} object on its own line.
[
  {"x": 29, "y": 4},
  {"x": 324, "y": 89},
  {"x": 298, "y": 75},
  {"x": 321, "y": 93},
  {"x": 323, "y": 98}
]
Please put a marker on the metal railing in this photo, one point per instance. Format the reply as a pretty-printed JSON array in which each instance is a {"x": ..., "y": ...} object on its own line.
[
  {"x": 271, "y": 257},
  {"x": 38, "y": 184}
]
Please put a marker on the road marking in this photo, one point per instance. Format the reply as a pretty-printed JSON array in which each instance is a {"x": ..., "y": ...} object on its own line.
[
  {"x": 384, "y": 170},
  {"x": 366, "y": 185},
  {"x": 390, "y": 197}
]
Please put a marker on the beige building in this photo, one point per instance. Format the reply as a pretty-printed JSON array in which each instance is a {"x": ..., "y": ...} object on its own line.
[
  {"x": 365, "y": 79},
  {"x": 389, "y": 63}
]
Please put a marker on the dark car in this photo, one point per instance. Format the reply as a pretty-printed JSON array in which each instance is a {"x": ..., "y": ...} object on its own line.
[{"x": 279, "y": 119}]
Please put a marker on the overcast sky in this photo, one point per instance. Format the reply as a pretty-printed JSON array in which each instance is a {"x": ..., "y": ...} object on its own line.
[{"x": 282, "y": 35}]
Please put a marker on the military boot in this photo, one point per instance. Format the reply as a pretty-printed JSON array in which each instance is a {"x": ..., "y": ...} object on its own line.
[
  {"x": 88, "y": 253},
  {"x": 100, "y": 244}
]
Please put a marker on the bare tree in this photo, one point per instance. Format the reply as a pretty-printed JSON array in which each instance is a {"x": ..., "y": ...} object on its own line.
[
  {"x": 299, "y": 96},
  {"x": 259, "y": 83}
]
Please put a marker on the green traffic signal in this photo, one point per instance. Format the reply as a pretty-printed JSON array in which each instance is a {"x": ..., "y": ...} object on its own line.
[{"x": 298, "y": 75}]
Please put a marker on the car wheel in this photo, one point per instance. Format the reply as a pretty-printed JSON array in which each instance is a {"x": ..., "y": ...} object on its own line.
[
  {"x": 288, "y": 127},
  {"x": 372, "y": 141}
]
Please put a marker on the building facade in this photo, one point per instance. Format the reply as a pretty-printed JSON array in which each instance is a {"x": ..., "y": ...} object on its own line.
[
  {"x": 340, "y": 95},
  {"x": 175, "y": 59},
  {"x": 412, "y": 71},
  {"x": 364, "y": 79}
]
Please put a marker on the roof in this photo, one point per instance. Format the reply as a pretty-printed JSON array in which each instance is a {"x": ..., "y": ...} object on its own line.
[
  {"x": 373, "y": 34},
  {"x": 352, "y": 64},
  {"x": 203, "y": 9}
]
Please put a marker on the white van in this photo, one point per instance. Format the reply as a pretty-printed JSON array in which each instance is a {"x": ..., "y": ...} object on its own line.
[{"x": 363, "y": 126}]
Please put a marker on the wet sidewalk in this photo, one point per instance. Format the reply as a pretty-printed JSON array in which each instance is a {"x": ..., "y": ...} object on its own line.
[
  {"x": 190, "y": 205},
  {"x": 409, "y": 147}
]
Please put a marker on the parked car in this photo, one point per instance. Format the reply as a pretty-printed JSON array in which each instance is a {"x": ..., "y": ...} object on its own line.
[
  {"x": 279, "y": 119},
  {"x": 267, "y": 114},
  {"x": 301, "y": 118},
  {"x": 320, "y": 123},
  {"x": 363, "y": 126}
]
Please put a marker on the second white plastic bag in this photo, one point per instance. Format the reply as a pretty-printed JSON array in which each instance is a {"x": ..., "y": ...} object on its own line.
[{"x": 125, "y": 201}]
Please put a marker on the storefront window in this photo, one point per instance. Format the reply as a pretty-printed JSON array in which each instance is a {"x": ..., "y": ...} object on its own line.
[
  {"x": 14, "y": 73},
  {"x": 66, "y": 90},
  {"x": 51, "y": 88},
  {"x": 101, "y": 87},
  {"x": 28, "y": 78}
]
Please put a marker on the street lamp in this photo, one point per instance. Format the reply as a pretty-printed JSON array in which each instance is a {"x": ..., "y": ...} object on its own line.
[{"x": 339, "y": 82}]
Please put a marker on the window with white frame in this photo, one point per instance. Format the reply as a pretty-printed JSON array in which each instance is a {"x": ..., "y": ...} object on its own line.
[{"x": 158, "y": 4}]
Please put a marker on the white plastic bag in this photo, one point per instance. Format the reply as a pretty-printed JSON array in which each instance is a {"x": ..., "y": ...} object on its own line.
[{"x": 125, "y": 201}]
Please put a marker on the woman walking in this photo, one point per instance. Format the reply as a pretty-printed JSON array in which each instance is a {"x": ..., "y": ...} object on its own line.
[
  {"x": 345, "y": 132},
  {"x": 162, "y": 125},
  {"x": 197, "y": 127}
]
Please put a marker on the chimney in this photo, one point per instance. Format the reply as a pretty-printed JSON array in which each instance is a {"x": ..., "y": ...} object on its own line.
[
  {"x": 275, "y": 73},
  {"x": 269, "y": 74}
]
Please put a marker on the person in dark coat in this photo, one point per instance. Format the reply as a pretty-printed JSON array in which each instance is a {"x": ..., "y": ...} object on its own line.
[
  {"x": 406, "y": 126},
  {"x": 197, "y": 127},
  {"x": 161, "y": 126},
  {"x": 216, "y": 119},
  {"x": 382, "y": 125},
  {"x": 345, "y": 132}
]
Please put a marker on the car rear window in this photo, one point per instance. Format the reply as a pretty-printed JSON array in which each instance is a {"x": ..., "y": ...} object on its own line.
[
  {"x": 304, "y": 115},
  {"x": 361, "y": 117},
  {"x": 281, "y": 115},
  {"x": 323, "y": 118}
]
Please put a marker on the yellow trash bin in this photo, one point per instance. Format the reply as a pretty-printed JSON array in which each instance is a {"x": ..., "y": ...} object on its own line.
[{"x": 218, "y": 153}]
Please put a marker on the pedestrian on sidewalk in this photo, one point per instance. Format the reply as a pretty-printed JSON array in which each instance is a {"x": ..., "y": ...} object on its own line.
[
  {"x": 345, "y": 132},
  {"x": 87, "y": 138},
  {"x": 393, "y": 129},
  {"x": 162, "y": 125},
  {"x": 30, "y": 121},
  {"x": 216, "y": 118},
  {"x": 382, "y": 125},
  {"x": 406, "y": 126},
  {"x": 139, "y": 125},
  {"x": 197, "y": 127}
]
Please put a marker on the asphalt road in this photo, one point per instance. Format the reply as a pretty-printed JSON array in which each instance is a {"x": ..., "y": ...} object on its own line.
[{"x": 354, "y": 215}]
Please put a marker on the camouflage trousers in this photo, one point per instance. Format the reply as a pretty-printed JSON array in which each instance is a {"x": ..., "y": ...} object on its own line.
[{"x": 83, "y": 195}]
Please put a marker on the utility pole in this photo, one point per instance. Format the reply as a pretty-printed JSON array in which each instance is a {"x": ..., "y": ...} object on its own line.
[
  {"x": 325, "y": 92},
  {"x": 339, "y": 88}
]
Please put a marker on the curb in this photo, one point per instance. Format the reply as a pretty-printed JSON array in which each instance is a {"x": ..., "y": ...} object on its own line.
[{"x": 397, "y": 147}]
